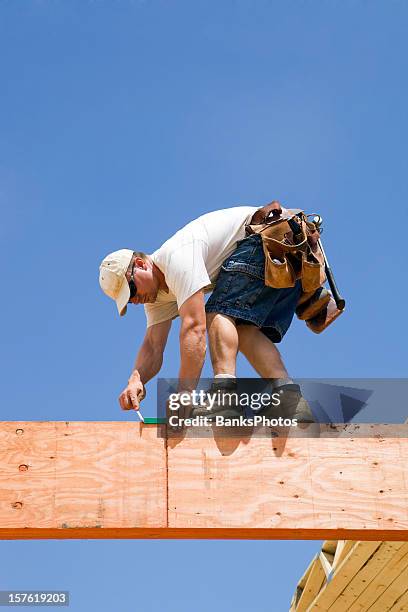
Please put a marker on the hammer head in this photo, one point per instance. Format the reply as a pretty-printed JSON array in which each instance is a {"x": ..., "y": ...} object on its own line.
[{"x": 317, "y": 220}]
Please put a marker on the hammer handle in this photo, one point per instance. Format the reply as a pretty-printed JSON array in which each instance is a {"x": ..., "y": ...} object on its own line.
[{"x": 340, "y": 302}]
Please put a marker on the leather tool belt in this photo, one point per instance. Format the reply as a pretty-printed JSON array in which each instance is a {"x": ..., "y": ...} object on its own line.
[{"x": 289, "y": 257}]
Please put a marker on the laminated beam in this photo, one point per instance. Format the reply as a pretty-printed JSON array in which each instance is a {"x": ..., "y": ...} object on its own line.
[
  {"x": 334, "y": 488},
  {"x": 60, "y": 477},
  {"x": 126, "y": 480}
]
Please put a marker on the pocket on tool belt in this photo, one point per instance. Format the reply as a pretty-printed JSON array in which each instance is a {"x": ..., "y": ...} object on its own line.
[
  {"x": 279, "y": 274},
  {"x": 245, "y": 283},
  {"x": 279, "y": 270},
  {"x": 312, "y": 273}
]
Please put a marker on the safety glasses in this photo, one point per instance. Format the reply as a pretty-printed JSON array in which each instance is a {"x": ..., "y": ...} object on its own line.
[{"x": 132, "y": 284}]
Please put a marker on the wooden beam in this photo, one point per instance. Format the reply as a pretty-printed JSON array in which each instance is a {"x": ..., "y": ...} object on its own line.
[
  {"x": 372, "y": 576},
  {"x": 60, "y": 476},
  {"x": 301, "y": 586},
  {"x": 313, "y": 585},
  {"x": 385, "y": 576},
  {"x": 342, "y": 550},
  {"x": 353, "y": 562},
  {"x": 401, "y": 605},
  {"x": 124, "y": 480},
  {"x": 392, "y": 593},
  {"x": 363, "y": 579},
  {"x": 330, "y": 547},
  {"x": 170, "y": 533},
  {"x": 330, "y": 485},
  {"x": 327, "y": 563}
]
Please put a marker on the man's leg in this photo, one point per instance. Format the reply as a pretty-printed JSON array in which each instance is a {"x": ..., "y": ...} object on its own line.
[
  {"x": 236, "y": 294},
  {"x": 223, "y": 341},
  {"x": 261, "y": 352},
  {"x": 263, "y": 355},
  {"x": 225, "y": 338}
]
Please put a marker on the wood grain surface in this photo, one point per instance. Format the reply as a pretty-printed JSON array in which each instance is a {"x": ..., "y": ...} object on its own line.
[
  {"x": 64, "y": 475},
  {"x": 297, "y": 483},
  {"x": 122, "y": 479}
]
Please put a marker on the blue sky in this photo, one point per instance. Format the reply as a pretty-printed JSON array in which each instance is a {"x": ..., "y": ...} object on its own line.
[{"x": 120, "y": 121}]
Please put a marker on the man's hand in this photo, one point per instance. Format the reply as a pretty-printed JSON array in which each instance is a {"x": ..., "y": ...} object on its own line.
[
  {"x": 148, "y": 364},
  {"x": 131, "y": 397}
]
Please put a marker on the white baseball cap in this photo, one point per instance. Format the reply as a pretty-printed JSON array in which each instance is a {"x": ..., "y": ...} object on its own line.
[{"x": 112, "y": 277}]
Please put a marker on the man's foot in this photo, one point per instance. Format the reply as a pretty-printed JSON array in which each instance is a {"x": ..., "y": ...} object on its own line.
[
  {"x": 292, "y": 405},
  {"x": 223, "y": 393}
]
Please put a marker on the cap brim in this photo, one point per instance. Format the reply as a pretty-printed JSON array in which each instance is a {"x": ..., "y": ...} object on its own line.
[{"x": 123, "y": 298}]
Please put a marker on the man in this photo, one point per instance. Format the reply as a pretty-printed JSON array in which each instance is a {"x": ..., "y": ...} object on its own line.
[{"x": 246, "y": 316}]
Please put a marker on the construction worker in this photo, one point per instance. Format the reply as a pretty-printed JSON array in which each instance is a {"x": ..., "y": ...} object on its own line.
[{"x": 242, "y": 313}]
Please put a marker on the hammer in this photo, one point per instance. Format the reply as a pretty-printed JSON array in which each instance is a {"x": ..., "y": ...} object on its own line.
[{"x": 340, "y": 302}]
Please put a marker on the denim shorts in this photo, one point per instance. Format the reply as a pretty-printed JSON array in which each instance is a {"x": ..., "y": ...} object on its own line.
[{"x": 240, "y": 292}]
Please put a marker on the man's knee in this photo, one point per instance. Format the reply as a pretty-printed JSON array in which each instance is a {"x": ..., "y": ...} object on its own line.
[{"x": 219, "y": 321}]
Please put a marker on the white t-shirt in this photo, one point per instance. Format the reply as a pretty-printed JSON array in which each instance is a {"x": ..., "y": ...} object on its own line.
[{"x": 191, "y": 259}]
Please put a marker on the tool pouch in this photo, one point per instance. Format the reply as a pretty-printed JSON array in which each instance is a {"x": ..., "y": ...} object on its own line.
[
  {"x": 311, "y": 304},
  {"x": 325, "y": 318},
  {"x": 278, "y": 274},
  {"x": 287, "y": 258},
  {"x": 311, "y": 273},
  {"x": 282, "y": 259}
]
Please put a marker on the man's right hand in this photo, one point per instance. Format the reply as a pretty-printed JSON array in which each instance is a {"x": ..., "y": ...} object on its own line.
[{"x": 131, "y": 397}]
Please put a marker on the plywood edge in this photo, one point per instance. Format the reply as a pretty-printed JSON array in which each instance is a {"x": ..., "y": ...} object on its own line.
[{"x": 197, "y": 533}]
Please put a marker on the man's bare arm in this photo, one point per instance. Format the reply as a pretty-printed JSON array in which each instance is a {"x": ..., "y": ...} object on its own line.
[
  {"x": 192, "y": 340},
  {"x": 148, "y": 363},
  {"x": 150, "y": 356}
]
